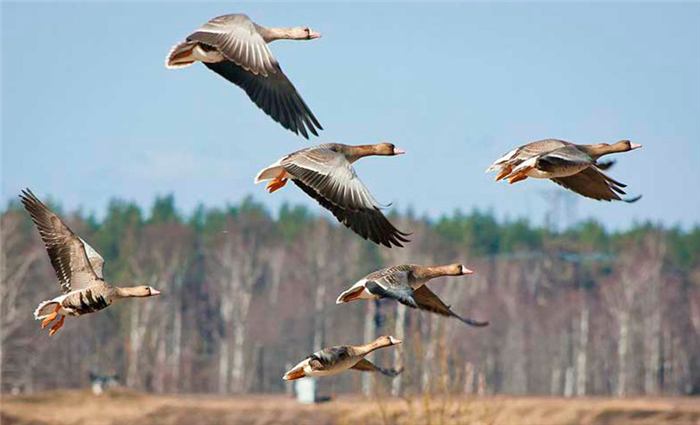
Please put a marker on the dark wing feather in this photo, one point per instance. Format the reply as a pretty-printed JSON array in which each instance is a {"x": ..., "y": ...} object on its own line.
[
  {"x": 329, "y": 178},
  {"x": 402, "y": 294},
  {"x": 328, "y": 357},
  {"x": 428, "y": 301},
  {"x": 274, "y": 94},
  {"x": 371, "y": 224},
  {"x": 593, "y": 183},
  {"x": 65, "y": 249},
  {"x": 365, "y": 365},
  {"x": 563, "y": 158}
]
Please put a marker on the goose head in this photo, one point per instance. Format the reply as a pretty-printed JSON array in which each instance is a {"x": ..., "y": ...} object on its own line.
[
  {"x": 457, "y": 270},
  {"x": 139, "y": 292},
  {"x": 386, "y": 149}
]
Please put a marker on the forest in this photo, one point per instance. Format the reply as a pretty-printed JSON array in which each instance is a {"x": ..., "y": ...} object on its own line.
[{"x": 247, "y": 293}]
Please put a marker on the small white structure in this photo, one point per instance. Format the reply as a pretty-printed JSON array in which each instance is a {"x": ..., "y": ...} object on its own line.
[{"x": 306, "y": 390}]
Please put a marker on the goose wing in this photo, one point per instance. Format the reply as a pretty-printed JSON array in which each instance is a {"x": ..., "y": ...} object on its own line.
[
  {"x": 522, "y": 153},
  {"x": 567, "y": 156},
  {"x": 328, "y": 177},
  {"x": 66, "y": 250},
  {"x": 237, "y": 38},
  {"x": 328, "y": 358},
  {"x": 428, "y": 301},
  {"x": 401, "y": 293},
  {"x": 593, "y": 183},
  {"x": 251, "y": 66},
  {"x": 365, "y": 365}
]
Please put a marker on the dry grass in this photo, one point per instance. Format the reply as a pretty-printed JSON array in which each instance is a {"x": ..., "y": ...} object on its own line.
[{"x": 82, "y": 408}]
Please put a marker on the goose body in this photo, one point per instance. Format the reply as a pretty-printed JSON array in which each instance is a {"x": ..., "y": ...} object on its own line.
[
  {"x": 333, "y": 360},
  {"x": 406, "y": 284},
  {"x": 237, "y": 49},
  {"x": 575, "y": 167},
  {"x": 78, "y": 267},
  {"x": 325, "y": 173}
]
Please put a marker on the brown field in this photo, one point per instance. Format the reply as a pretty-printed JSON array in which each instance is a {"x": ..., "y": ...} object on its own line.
[{"x": 81, "y": 407}]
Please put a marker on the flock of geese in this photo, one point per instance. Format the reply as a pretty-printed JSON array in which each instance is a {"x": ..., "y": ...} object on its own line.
[{"x": 237, "y": 49}]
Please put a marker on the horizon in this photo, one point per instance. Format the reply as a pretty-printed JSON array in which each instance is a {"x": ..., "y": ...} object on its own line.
[{"x": 138, "y": 130}]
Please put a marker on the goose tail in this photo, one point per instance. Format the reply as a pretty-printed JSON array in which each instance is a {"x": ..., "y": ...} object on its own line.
[
  {"x": 181, "y": 55},
  {"x": 44, "y": 309}
]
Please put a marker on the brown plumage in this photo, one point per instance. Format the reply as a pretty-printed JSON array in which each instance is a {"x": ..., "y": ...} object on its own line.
[
  {"x": 330, "y": 361},
  {"x": 236, "y": 48},
  {"x": 325, "y": 173},
  {"x": 406, "y": 284},
  {"x": 575, "y": 167},
  {"x": 78, "y": 268}
]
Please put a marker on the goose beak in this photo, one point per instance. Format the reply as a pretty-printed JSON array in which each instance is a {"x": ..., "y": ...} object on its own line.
[
  {"x": 313, "y": 35},
  {"x": 154, "y": 292},
  {"x": 466, "y": 270},
  {"x": 398, "y": 152},
  {"x": 395, "y": 341},
  {"x": 634, "y": 146}
]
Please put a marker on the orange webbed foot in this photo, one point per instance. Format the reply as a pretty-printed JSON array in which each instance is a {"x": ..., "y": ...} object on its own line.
[
  {"x": 50, "y": 318},
  {"x": 57, "y": 325},
  {"x": 277, "y": 183},
  {"x": 522, "y": 175},
  {"x": 504, "y": 172}
]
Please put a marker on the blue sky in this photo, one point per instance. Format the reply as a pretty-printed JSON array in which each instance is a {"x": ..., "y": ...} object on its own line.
[{"x": 90, "y": 113}]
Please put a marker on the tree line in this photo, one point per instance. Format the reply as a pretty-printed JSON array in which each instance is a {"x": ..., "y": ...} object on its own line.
[{"x": 247, "y": 293}]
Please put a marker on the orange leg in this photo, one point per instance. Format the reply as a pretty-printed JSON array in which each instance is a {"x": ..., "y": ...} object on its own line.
[
  {"x": 277, "y": 183},
  {"x": 50, "y": 317},
  {"x": 57, "y": 325}
]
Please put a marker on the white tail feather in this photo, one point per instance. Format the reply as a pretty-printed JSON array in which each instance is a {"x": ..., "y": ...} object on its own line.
[
  {"x": 185, "y": 47},
  {"x": 497, "y": 164},
  {"x": 269, "y": 173},
  {"x": 44, "y": 309}
]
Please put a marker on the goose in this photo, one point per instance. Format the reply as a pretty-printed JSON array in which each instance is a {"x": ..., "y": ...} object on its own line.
[
  {"x": 325, "y": 173},
  {"x": 572, "y": 166},
  {"x": 236, "y": 48},
  {"x": 406, "y": 284},
  {"x": 78, "y": 268},
  {"x": 333, "y": 360}
]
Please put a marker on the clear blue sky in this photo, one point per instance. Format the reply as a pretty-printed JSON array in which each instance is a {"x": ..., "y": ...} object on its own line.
[{"x": 90, "y": 113}]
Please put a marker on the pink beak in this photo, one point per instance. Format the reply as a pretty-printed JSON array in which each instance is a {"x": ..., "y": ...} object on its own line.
[
  {"x": 155, "y": 292},
  {"x": 313, "y": 35},
  {"x": 634, "y": 146},
  {"x": 398, "y": 152},
  {"x": 466, "y": 270}
]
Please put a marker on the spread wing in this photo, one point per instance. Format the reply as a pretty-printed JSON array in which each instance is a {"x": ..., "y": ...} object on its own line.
[
  {"x": 365, "y": 365},
  {"x": 66, "y": 250},
  {"x": 428, "y": 301},
  {"x": 252, "y": 67},
  {"x": 593, "y": 183},
  {"x": 329, "y": 178},
  {"x": 95, "y": 259},
  {"x": 274, "y": 94}
]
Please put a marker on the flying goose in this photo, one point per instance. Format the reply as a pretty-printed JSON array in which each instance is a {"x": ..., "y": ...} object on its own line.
[
  {"x": 572, "y": 166},
  {"x": 406, "y": 284},
  {"x": 330, "y": 361},
  {"x": 235, "y": 47},
  {"x": 78, "y": 268},
  {"x": 326, "y": 174}
]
